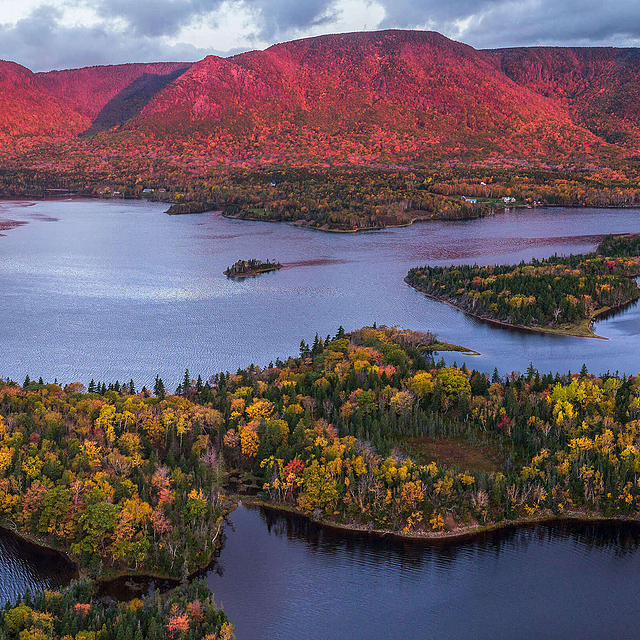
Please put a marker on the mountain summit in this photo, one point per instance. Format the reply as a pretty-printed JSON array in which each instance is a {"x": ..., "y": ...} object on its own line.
[{"x": 371, "y": 98}]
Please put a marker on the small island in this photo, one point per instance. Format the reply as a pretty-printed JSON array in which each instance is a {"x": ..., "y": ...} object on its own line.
[
  {"x": 563, "y": 294},
  {"x": 248, "y": 268}
]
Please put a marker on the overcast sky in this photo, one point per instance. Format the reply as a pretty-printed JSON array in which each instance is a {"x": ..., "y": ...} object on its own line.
[{"x": 57, "y": 34}]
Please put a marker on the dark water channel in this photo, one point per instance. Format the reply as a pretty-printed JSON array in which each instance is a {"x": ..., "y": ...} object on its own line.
[
  {"x": 283, "y": 577},
  {"x": 24, "y": 566}
]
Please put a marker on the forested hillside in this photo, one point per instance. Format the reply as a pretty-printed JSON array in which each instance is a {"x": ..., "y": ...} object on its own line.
[{"x": 329, "y": 115}]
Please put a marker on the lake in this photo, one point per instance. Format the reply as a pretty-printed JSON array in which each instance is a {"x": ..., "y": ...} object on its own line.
[
  {"x": 118, "y": 290},
  {"x": 286, "y": 578}
]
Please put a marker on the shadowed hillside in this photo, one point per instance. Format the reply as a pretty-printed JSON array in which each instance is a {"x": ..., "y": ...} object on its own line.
[
  {"x": 129, "y": 102},
  {"x": 600, "y": 87}
]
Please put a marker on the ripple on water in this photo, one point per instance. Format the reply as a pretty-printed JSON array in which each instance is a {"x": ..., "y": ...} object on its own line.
[{"x": 26, "y": 567}]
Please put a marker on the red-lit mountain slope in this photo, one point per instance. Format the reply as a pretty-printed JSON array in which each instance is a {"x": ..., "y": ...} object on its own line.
[
  {"x": 89, "y": 89},
  {"x": 30, "y": 113},
  {"x": 599, "y": 86},
  {"x": 375, "y": 98},
  {"x": 382, "y": 97}
]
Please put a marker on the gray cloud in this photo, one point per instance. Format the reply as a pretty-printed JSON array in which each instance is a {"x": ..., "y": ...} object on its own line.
[
  {"x": 167, "y": 17},
  {"x": 153, "y": 18},
  {"x": 41, "y": 43},
  {"x": 496, "y": 23},
  {"x": 137, "y": 30},
  {"x": 280, "y": 17}
]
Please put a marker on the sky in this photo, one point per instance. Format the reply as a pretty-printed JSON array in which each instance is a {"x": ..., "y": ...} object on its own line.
[{"x": 58, "y": 34}]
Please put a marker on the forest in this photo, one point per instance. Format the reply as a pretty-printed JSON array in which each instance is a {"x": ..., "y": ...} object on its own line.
[
  {"x": 78, "y": 613},
  {"x": 342, "y": 434},
  {"x": 363, "y": 429},
  {"x": 122, "y": 482},
  {"x": 560, "y": 293},
  {"x": 337, "y": 198},
  {"x": 352, "y": 431}
]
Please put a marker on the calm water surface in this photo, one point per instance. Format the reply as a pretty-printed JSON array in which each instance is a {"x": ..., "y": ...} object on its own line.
[
  {"x": 114, "y": 290},
  {"x": 288, "y": 579}
]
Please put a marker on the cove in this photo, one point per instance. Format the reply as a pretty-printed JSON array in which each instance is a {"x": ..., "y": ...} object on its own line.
[
  {"x": 281, "y": 576},
  {"x": 25, "y": 566}
]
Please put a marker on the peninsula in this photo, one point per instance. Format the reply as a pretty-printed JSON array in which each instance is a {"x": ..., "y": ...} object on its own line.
[{"x": 559, "y": 295}]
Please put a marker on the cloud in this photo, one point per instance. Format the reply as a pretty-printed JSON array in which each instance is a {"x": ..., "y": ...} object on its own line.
[
  {"x": 167, "y": 17},
  {"x": 155, "y": 18},
  {"x": 496, "y": 23},
  {"x": 59, "y": 34},
  {"x": 41, "y": 42}
]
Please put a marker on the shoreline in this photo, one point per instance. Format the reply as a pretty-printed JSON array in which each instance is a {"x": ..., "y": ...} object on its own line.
[
  {"x": 416, "y": 220},
  {"x": 441, "y": 347},
  {"x": 540, "y": 330},
  {"x": 461, "y": 533},
  {"x": 28, "y": 539},
  {"x": 119, "y": 574}
]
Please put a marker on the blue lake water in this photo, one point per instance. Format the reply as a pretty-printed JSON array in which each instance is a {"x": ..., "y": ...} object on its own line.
[{"x": 118, "y": 290}]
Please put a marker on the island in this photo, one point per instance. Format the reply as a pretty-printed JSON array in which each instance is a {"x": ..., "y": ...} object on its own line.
[
  {"x": 563, "y": 294},
  {"x": 249, "y": 268}
]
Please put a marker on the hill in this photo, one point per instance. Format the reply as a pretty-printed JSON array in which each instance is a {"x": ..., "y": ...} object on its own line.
[
  {"x": 30, "y": 114},
  {"x": 89, "y": 89},
  {"x": 351, "y": 130},
  {"x": 361, "y": 98},
  {"x": 600, "y": 87}
]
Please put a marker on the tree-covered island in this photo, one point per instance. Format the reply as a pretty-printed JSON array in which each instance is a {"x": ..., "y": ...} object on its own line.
[
  {"x": 557, "y": 295},
  {"x": 253, "y": 267}
]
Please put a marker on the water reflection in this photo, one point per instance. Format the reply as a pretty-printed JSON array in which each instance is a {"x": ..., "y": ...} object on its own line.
[{"x": 284, "y": 577}]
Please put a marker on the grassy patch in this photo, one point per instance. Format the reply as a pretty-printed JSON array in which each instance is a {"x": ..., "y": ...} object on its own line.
[
  {"x": 447, "y": 346},
  {"x": 458, "y": 452}
]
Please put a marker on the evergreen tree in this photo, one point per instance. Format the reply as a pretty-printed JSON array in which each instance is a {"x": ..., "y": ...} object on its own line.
[
  {"x": 158, "y": 388},
  {"x": 186, "y": 383}
]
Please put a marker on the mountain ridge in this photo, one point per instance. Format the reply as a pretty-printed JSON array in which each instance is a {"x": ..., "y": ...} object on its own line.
[{"x": 385, "y": 98}]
